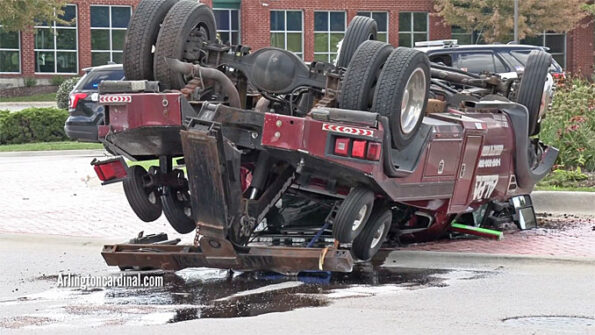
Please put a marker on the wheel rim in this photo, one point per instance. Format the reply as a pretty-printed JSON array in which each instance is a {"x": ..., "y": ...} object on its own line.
[
  {"x": 377, "y": 236},
  {"x": 360, "y": 218},
  {"x": 413, "y": 100}
]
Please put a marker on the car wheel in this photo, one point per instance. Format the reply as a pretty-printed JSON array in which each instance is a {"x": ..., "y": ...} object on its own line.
[
  {"x": 402, "y": 93},
  {"x": 367, "y": 244},
  {"x": 144, "y": 201},
  {"x": 361, "y": 77},
  {"x": 141, "y": 37},
  {"x": 353, "y": 214},
  {"x": 187, "y": 25},
  {"x": 360, "y": 29},
  {"x": 531, "y": 92},
  {"x": 178, "y": 210}
]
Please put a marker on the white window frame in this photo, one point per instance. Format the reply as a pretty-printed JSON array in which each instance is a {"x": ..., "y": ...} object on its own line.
[
  {"x": 110, "y": 29},
  {"x": 19, "y": 51},
  {"x": 230, "y": 30},
  {"x": 412, "y": 32},
  {"x": 285, "y": 32},
  {"x": 387, "y": 32},
  {"x": 54, "y": 27},
  {"x": 328, "y": 31}
]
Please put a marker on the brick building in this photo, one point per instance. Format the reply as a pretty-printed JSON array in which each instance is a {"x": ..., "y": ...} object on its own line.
[{"x": 310, "y": 28}]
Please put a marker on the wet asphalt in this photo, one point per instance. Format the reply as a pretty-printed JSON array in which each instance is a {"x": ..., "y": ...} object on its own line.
[{"x": 393, "y": 293}]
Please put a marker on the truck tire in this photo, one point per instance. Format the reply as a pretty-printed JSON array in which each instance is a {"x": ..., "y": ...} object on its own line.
[
  {"x": 144, "y": 201},
  {"x": 367, "y": 244},
  {"x": 360, "y": 29},
  {"x": 531, "y": 89},
  {"x": 359, "y": 82},
  {"x": 402, "y": 93},
  {"x": 177, "y": 209},
  {"x": 142, "y": 36},
  {"x": 186, "y": 26},
  {"x": 353, "y": 214}
]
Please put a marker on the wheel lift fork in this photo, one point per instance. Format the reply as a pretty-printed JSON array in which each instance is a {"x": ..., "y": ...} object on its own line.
[{"x": 213, "y": 167}]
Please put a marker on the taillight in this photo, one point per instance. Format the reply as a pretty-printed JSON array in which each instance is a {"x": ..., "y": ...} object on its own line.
[
  {"x": 374, "y": 149},
  {"x": 112, "y": 169},
  {"x": 361, "y": 149},
  {"x": 342, "y": 146},
  {"x": 74, "y": 99},
  {"x": 559, "y": 75}
]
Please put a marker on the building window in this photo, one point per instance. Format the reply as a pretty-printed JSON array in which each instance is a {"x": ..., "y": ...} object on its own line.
[
  {"x": 465, "y": 37},
  {"x": 382, "y": 21},
  {"x": 413, "y": 27},
  {"x": 10, "y": 52},
  {"x": 108, "y": 31},
  {"x": 329, "y": 30},
  {"x": 56, "y": 45},
  {"x": 287, "y": 32},
  {"x": 556, "y": 42},
  {"x": 228, "y": 25}
]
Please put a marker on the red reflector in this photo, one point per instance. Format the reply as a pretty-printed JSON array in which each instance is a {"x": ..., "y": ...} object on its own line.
[
  {"x": 342, "y": 146},
  {"x": 359, "y": 149},
  {"x": 110, "y": 170},
  {"x": 374, "y": 150},
  {"x": 74, "y": 99}
]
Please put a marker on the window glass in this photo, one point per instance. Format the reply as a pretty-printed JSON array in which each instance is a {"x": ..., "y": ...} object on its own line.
[
  {"x": 413, "y": 27},
  {"x": 228, "y": 25},
  {"x": 476, "y": 62},
  {"x": 108, "y": 31},
  {"x": 556, "y": 42},
  {"x": 292, "y": 38},
  {"x": 329, "y": 30},
  {"x": 56, "y": 45},
  {"x": 382, "y": 22},
  {"x": 93, "y": 78},
  {"x": 10, "y": 52}
]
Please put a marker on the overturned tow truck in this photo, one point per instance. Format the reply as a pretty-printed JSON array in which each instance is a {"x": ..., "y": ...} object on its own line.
[{"x": 292, "y": 166}]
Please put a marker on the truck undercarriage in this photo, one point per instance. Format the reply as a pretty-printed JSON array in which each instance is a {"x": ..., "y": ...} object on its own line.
[{"x": 289, "y": 166}]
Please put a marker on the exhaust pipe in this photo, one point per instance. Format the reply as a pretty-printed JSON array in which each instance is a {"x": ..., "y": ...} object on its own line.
[{"x": 196, "y": 70}]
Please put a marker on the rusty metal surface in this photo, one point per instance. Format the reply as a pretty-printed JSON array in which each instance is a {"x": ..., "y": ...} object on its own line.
[{"x": 279, "y": 259}]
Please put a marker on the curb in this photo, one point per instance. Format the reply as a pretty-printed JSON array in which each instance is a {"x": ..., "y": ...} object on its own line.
[
  {"x": 88, "y": 152},
  {"x": 440, "y": 259},
  {"x": 561, "y": 202}
]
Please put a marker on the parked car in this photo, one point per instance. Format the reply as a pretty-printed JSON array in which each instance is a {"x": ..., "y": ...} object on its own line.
[
  {"x": 477, "y": 58},
  {"x": 85, "y": 111}
]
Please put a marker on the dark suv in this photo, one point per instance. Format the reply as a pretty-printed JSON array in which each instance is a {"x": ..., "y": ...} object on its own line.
[
  {"x": 477, "y": 58},
  {"x": 85, "y": 111}
]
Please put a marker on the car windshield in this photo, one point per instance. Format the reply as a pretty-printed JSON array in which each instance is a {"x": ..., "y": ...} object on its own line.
[{"x": 92, "y": 79}]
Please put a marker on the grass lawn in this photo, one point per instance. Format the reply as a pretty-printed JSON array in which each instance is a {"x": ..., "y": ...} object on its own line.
[
  {"x": 38, "y": 97},
  {"x": 42, "y": 146}
]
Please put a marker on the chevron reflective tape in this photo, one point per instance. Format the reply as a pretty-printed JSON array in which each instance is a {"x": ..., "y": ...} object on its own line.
[
  {"x": 347, "y": 130},
  {"x": 115, "y": 99}
]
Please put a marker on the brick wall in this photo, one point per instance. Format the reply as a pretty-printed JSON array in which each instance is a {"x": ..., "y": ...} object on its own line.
[{"x": 255, "y": 23}]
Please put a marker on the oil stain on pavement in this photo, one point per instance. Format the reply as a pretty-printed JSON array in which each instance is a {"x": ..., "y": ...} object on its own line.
[{"x": 207, "y": 293}]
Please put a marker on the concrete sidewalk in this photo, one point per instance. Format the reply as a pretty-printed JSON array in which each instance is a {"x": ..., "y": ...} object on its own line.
[
  {"x": 559, "y": 202},
  {"x": 17, "y": 106}
]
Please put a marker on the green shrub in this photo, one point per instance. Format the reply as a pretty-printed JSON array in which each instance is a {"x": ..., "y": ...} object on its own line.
[
  {"x": 64, "y": 92},
  {"x": 30, "y": 82},
  {"x": 570, "y": 124},
  {"x": 33, "y": 125},
  {"x": 58, "y": 80}
]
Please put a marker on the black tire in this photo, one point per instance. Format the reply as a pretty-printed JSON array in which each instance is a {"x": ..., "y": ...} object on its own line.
[
  {"x": 144, "y": 201},
  {"x": 359, "y": 82},
  {"x": 360, "y": 29},
  {"x": 141, "y": 36},
  {"x": 186, "y": 26},
  {"x": 367, "y": 244},
  {"x": 345, "y": 228},
  {"x": 532, "y": 84},
  {"x": 177, "y": 209},
  {"x": 400, "y": 66}
]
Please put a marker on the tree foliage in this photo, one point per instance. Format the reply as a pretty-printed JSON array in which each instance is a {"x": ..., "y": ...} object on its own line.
[
  {"x": 495, "y": 18},
  {"x": 22, "y": 15}
]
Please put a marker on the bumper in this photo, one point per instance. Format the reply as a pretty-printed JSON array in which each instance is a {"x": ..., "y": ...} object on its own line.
[{"x": 86, "y": 132}]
